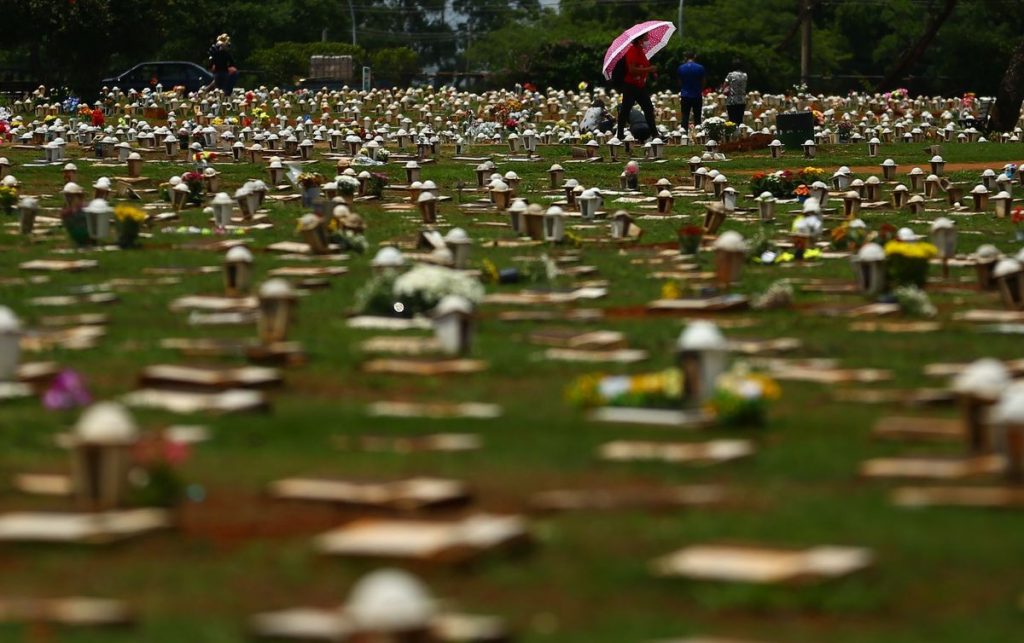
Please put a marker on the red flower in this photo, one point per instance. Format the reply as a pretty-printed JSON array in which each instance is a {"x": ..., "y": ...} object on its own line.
[
  {"x": 1017, "y": 217},
  {"x": 98, "y": 119}
]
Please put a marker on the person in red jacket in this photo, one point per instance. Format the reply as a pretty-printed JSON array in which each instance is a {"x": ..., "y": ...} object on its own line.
[{"x": 634, "y": 86}]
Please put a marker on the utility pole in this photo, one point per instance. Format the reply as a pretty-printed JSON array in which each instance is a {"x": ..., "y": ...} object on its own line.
[
  {"x": 805, "y": 40},
  {"x": 679, "y": 22},
  {"x": 352, "y": 13}
]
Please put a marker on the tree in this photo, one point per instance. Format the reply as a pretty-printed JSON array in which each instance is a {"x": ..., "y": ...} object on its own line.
[
  {"x": 394, "y": 66},
  {"x": 1010, "y": 96},
  {"x": 911, "y": 56}
]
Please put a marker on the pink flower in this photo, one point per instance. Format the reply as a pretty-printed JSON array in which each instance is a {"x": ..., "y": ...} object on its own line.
[{"x": 66, "y": 391}]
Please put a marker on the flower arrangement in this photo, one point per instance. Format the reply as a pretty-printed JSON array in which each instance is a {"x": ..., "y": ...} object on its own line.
[
  {"x": 907, "y": 262},
  {"x": 914, "y": 302},
  {"x": 845, "y": 130},
  {"x": 503, "y": 111},
  {"x": 819, "y": 117},
  {"x": 847, "y": 239},
  {"x": 671, "y": 290},
  {"x": 75, "y": 224},
  {"x": 155, "y": 480},
  {"x": 129, "y": 219},
  {"x": 67, "y": 391},
  {"x": 689, "y": 239},
  {"x": 8, "y": 198},
  {"x": 1016, "y": 218},
  {"x": 194, "y": 181},
  {"x": 741, "y": 397},
  {"x": 376, "y": 183},
  {"x": 311, "y": 180},
  {"x": 717, "y": 129},
  {"x": 810, "y": 174},
  {"x": 416, "y": 291},
  {"x": 347, "y": 185},
  {"x": 886, "y": 233},
  {"x": 662, "y": 389},
  {"x": 802, "y": 192},
  {"x": 543, "y": 272},
  {"x": 779, "y": 183}
]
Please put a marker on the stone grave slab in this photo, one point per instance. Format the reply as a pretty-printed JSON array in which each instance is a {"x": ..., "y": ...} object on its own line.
[
  {"x": 763, "y": 565},
  {"x": 429, "y": 541},
  {"x": 412, "y": 494}
]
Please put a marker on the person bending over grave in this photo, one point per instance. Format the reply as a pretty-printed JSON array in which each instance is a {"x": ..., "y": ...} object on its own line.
[{"x": 597, "y": 118}]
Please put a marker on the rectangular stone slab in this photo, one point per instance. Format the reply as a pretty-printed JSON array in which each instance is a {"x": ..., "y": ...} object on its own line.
[
  {"x": 331, "y": 626},
  {"x": 97, "y": 528},
  {"x": 72, "y": 611},
  {"x": 710, "y": 304},
  {"x": 402, "y": 495},
  {"x": 230, "y": 401},
  {"x": 213, "y": 377},
  {"x": 669, "y": 418},
  {"x": 59, "y": 265},
  {"x": 932, "y": 468},
  {"x": 475, "y": 410},
  {"x": 43, "y": 484},
  {"x": 442, "y": 442},
  {"x": 74, "y": 300},
  {"x": 213, "y": 303},
  {"x": 304, "y": 271},
  {"x": 919, "y": 429},
  {"x": 74, "y": 338},
  {"x": 74, "y": 319},
  {"x": 896, "y": 326},
  {"x": 437, "y": 541},
  {"x": 370, "y": 322},
  {"x": 762, "y": 565},
  {"x": 764, "y": 346},
  {"x": 579, "y": 340},
  {"x": 711, "y": 452},
  {"x": 915, "y": 397},
  {"x": 627, "y": 499},
  {"x": 982, "y": 497},
  {"x": 401, "y": 345},
  {"x": 618, "y": 356},
  {"x": 424, "y": 367}
]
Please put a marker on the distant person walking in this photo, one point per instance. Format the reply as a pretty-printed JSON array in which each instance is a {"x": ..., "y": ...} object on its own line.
[
  {"x": 634, "y": 86},
  {"x": 691, "y": 90},
  {"x": 735, "y": 90},
  {"x": 222, "y": 64}
]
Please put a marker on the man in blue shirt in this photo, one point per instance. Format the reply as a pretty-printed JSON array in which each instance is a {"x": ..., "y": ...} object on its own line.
[{"x": 691, "y": 89}]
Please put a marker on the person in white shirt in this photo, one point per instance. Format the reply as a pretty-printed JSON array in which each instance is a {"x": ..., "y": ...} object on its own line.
[{"x": 735, "y": 90}]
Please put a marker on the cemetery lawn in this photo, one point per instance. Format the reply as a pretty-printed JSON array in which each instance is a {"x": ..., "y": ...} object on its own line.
[{"x": 941, "y": 576}]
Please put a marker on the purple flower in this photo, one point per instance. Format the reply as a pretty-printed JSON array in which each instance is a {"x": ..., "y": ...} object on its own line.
[{"x": 67, "y": 391}]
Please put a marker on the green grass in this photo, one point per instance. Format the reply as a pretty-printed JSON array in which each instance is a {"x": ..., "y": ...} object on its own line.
[{"x": 942, "y": 576}]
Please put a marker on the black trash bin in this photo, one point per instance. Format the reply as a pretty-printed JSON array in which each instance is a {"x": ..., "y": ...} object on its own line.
[{"x": 794, "y": 128}]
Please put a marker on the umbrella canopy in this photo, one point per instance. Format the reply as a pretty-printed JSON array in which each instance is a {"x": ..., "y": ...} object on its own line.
[{"x": 658, "y": 33}]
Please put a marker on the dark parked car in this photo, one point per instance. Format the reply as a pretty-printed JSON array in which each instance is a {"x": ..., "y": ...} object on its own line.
[{"x": 169, "y": 73}]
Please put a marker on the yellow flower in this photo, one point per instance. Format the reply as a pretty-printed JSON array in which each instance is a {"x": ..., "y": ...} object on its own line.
[
  {"x": 911, "y": 249},
  {"x": 583, "y": 86},
  {"x": 490, "y": 271},
  {"x": 129, "y": 213},
  {"x": 669, "y": 290}
]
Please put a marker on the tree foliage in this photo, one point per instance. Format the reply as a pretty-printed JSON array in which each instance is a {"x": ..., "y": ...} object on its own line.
[{"x": 855, "y": 44}]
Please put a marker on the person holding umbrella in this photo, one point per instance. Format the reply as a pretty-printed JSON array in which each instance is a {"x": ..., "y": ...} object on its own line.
[
  {"x": 627, "y": 64},
  {"x": 634, "y": 85}
]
